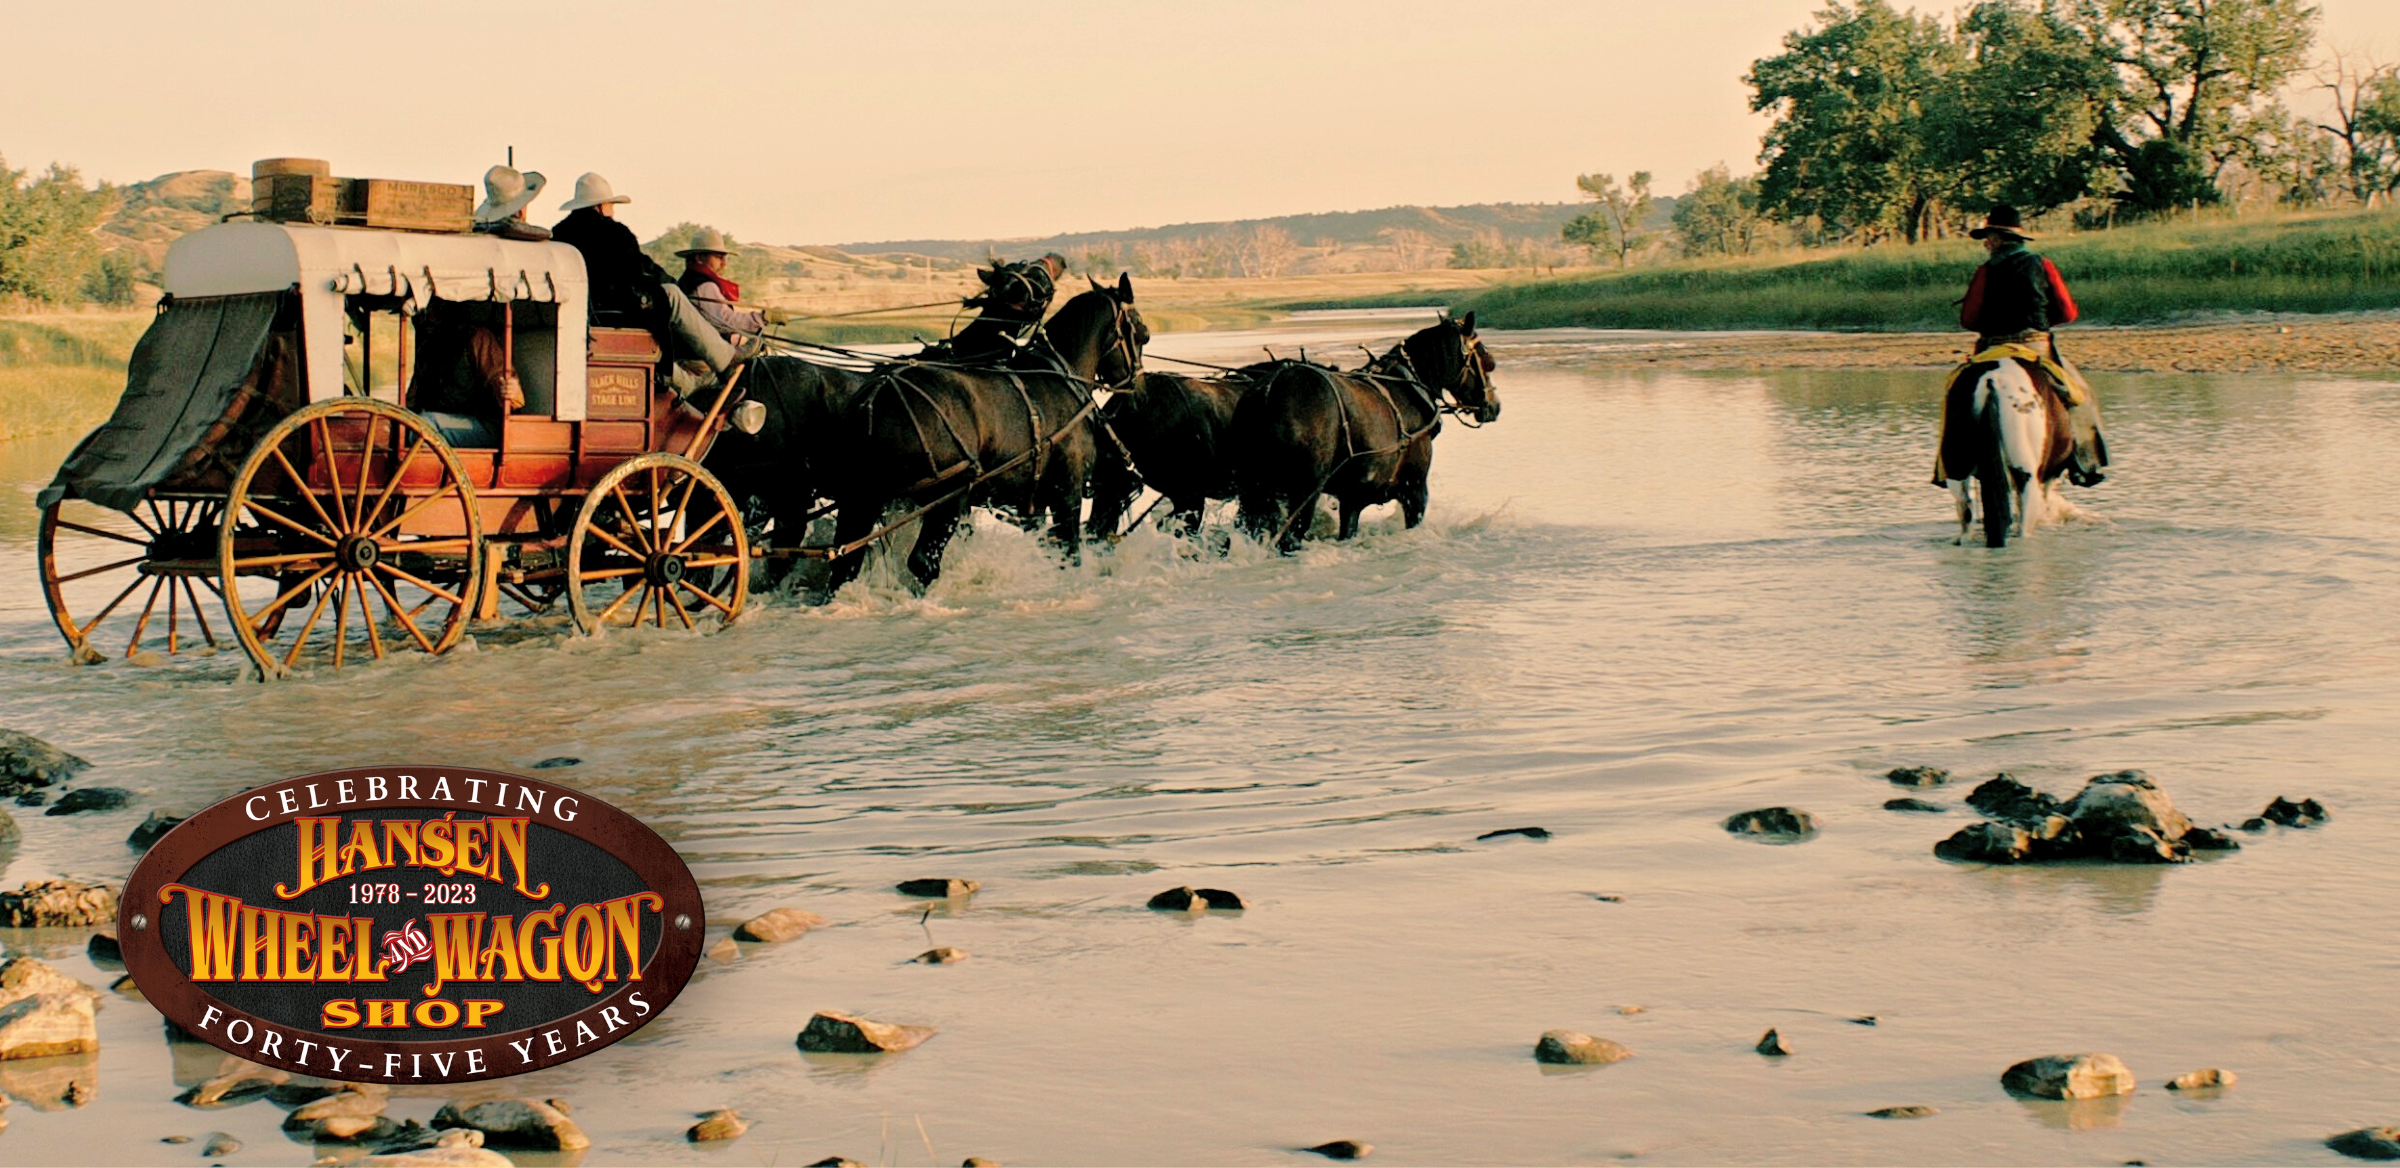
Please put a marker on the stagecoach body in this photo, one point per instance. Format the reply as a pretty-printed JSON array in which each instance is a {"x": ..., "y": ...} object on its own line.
[{"x": 266, "y": 461}]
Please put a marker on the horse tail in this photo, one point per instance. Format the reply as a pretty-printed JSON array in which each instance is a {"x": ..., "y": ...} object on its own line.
[{"x": 1992, "y": 463}]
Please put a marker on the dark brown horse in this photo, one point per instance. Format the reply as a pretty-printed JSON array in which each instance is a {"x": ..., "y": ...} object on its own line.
[
  {"x": 1021, "y": 439},
  {"x": 1363, "y": 436},
  {"x": 779, "y": 472},
  {"x": 1177, "y": 439}
]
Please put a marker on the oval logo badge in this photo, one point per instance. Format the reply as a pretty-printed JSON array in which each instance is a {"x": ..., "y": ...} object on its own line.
[{"x": 411, "y": 924}]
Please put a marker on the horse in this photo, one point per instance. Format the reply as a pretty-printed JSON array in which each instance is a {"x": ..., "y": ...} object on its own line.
[
  {"x": 1021, "y": 438},
  {"x": 1364, "y": 436},
  {"x": 2008, "y": 433},
  {"x": 1174, "y": 435},
  {"x": 778, "y": 473}
]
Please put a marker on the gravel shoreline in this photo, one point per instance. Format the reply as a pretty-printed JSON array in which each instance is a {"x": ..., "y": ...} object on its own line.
[{"x": 2365, "y": 343}]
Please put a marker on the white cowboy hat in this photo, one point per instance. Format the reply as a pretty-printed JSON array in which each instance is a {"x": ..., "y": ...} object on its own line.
[
  {"x": 708, "y": 241},
  {"x": 591, "y": 191},
  {"x": 506, "y": 192}
]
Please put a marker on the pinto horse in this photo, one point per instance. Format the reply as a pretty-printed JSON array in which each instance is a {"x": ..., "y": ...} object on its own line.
[
  {"x": 1021, "y": 438},
  {"x": 2008, "y": 433},
  {"x": 1363, "y": 436}
]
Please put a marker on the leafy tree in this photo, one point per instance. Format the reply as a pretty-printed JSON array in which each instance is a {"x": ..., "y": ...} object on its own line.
[
  {"x": 48, "y": 231},
  {"x": 2015, "y": 124},
  {"x": 2196, "y": 78},
  {"x": 111, "y": 278},
  {"x": 1616, "y": 224},
  {"x": 1852, "y": 99},
  {"x": 1719, "y": 215}
]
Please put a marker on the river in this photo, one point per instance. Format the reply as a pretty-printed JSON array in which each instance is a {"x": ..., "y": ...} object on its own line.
[{"x": 1646, "y": 599}]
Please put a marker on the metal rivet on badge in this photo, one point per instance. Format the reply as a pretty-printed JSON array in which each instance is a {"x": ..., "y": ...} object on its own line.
[
  {"x": 140, "y": 921},
  {"x": 683, "y": 921}
]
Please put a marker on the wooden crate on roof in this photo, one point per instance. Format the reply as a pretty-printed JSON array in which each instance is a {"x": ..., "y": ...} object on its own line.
[{"x": 402, "y": 205}]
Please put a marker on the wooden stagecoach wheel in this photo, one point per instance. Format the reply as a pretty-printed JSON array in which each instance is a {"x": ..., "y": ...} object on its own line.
[
  {"x": 122, "y": 583},
  {"x": 658, "y": 540},
  {"x": 322, "y": 558}
]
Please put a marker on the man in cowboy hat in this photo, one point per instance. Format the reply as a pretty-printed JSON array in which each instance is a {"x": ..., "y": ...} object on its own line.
[
  {"x": 2014, "y": 301},
  {"x": 626, "y": 283},
  {"x": 506, "y": 194},
  {"x": 1014, "y": 297},
  {"x": 719, "y": 299}
]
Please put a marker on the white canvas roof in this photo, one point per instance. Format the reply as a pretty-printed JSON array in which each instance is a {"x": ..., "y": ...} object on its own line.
[{"x": 327, "y": 264}]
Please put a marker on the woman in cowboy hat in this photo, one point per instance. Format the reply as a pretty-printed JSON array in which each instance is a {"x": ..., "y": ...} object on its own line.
[
  {"x": 626, "y": 283},
  {"x": 2016, "y": 298},
  {"x": 716, "y": 297}
]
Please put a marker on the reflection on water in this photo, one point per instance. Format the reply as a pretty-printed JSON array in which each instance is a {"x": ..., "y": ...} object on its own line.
[{"x": 1645, "y": 600}]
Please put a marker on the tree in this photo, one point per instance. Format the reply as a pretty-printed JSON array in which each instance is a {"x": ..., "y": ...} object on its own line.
[
  {"x": 2015, "y": 124},
  {"x": 1616, "y": 224},
  {"x": 2196, "y": 76},
  {"x": 1853, "y": 100},
  {"x": 1719, "y": 214},
  {"x": 2366, "y": 111},
  {"x": 48, "y": 233}
]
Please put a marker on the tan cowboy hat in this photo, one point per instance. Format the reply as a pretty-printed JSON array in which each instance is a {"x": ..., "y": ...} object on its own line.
[
  {"x": 591, "y": 191},
  {"x": 708, "y": 241},
  {"x": 506, "y": 192},
  {"x": 2002, "y": 220}
]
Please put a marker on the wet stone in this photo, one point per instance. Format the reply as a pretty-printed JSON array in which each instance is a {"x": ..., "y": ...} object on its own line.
[
  {"x": 1342, "y": 1150},
  {"x": 57, "y": 903},
  {"x": 1531, "y": 833},
  {"x": 103, "y": 948},
  {"x": 831, "y": 1033},
  {"x": 239, "y": 1085},
  {"x": 942, "y": 955},
  {"x": 556, "y": 762},
  {"x": 457, "y": 1148},
  {"x": 2003, "y": 797},
  {"x": 724, "y": 952},
  {"x": 25, "y": 977},
  {"x": 27, "y": 764},
  {"x": 978, "y": 1162},
  {"x": 2367, "y": 1143},
  {"x": 2305, "y": 813},
  {"x": 1987, "y": 843},
  {"x": 1916, "y": 805},
  {"x": 1771, "y": 1044},
  {"x": 1863, "y": 1020},
  {"x": 779, "y": 924},
  {"x": 2069, "y": 1076},
  {"x": 2254, "y": 823},
  {"x": 1778, "y": 823},
  {"x": 91, "y": 799},
  {"x": 1574, "y": 1048},
  {"x": 516, "y": 1123},
  {"x": 1187, "y": 899},
  {"x": 837, "y": 1162},
  {"x": 1918, "y": 776},
  {"x": 175, "y": 1139},
  {"x": 124, "y": 987},
  {"x": 43, "y": 1025},
  {"x": 1904, "y": 1111},
  {"x": 941, "y": 886},
  {"x": 220, "y": 1144},
  {"x": 2204, "y": 1079},
  {"x": 343, "y": 1116},
  {"x": 152, "y": 829},
  {"x": 2209, "y": 839},
  {"x": 721, "y": 1124}
]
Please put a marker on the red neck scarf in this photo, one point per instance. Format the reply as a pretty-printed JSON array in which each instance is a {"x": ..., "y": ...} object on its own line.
[{"x": 732, "y": 291}]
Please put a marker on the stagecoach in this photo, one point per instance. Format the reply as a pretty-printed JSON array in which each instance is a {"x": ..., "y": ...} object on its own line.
[{"x": 265, "y": 462}]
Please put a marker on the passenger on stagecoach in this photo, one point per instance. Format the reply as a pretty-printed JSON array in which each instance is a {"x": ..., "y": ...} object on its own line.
[
  {"x": 462, "y": 382},
  {"x": 630, "y": 286},
  {"x": 1015, "y": 296},
  {"x": 2013, "y": 302},
  {"x": 507, "y": 192},
  {"x": 718, "y": 298}
]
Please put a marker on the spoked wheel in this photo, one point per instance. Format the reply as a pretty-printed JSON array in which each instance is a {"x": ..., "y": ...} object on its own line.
[
  {"x": 120, "y": 583},
  {"x": 658, "y": 540},
  {"x": 350, "y": 505}
]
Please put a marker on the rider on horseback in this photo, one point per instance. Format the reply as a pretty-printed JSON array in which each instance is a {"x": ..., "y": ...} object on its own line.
[{"x": 2013, "y": 302}]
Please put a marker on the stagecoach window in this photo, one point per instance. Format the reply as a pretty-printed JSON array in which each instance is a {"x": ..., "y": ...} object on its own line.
[{"x": 377, "y": 347}]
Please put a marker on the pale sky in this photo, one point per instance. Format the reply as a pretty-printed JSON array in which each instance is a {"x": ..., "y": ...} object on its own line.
[{"x": 828, "y": 123}]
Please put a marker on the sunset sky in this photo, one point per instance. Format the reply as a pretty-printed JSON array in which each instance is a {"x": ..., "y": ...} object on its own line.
[{"x": 824, "y": 123}]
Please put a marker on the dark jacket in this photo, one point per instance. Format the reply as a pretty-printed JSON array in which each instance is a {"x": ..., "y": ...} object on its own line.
[
  {"x": 2016, "y": 291},
  {"x": 624, "y": 279}
]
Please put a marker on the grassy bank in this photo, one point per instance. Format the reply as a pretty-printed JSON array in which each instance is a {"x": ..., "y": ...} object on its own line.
[
  {"x": 63, "y": 372},
  {"x": 2316, "y": 263}
]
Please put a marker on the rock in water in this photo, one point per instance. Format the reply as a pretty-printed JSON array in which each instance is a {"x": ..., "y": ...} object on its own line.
[
  {"x": 1574, "y": 1048},
  {"x": 27, "y": 977},
  {"x": 242, "y": 1084},
  {"x": 837, "y": 1162},
  {"x": 1531, "y": 833},
  {"x": 779, "y": 924},
  {"x": 28, "y": 764},
  {"x": 56, "y": 903},
  {"x": 91, "y": 799},
  {"x": 2368, "y": 1143},
  {"x": 722, "y": 1124},
  {"x": 978, "y": 1162},
  {"x": 152, "y": 830},
  {"x": 2305, "y": 813},
  {"x": 2205, "y": 1079},
  {"x": 516, "y": 1123},
  {"x": 556, "y": 761},
  {"x": 1918, "y": 776},
  {"x": 460, "y": 1148},
  {"x": 2003, "y": 797},
  {"x": 2125, "y": 817},
  {"x": 943, "y": 955},
  {"x": 724, "y": 951},
  {"x": 47, "y": 1024},
  {"x": 1187, "y": 899},
  {"x": 1773, "y": 822},
  {"x": 1908, "y": 804},
  {"x": 2209, "y": 839},
  {"x": 343, "y": 1117},
  {"x": 941, "y": 886},
  {"x": 1987, "y": 843},
  {"x": 1342, "y": 1150},
  {"x": 1771, "y": 1045},
  {"x": 2069, "y": 1076},
  {"x": 103, "y": 947},
  {"x": 831, "y": 1033},
  {"x": 1904, "y": 1111},
  {"x": 220, "y": 1144}
]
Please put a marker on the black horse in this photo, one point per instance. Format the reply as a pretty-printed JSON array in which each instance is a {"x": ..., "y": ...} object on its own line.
[
  {"x": 779, "y": 472},
  {"x": 1177, "y": 439},
  {"x": 1364, "y": 437},
  {"x": 1020, "y": 439}
]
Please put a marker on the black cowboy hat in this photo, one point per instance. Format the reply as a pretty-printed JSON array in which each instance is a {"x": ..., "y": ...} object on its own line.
[{"x": 2002, "y": 220}]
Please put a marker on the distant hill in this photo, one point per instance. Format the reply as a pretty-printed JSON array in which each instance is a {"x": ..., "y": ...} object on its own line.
[{"x": 156, "y": 213}]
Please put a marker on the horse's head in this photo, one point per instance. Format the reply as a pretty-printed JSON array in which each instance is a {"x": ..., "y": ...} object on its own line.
[
  {"x": 1103, "y": 331},
  {"x": 1451, "y": 359}
]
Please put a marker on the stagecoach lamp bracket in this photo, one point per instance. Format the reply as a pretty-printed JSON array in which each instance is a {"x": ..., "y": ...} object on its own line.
[{"x": 749, "y": 417}]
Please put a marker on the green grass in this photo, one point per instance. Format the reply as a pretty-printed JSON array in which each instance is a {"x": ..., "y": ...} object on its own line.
[
  {"x": 64, "y": 372},
  {"x": 2315, "y": 263}
]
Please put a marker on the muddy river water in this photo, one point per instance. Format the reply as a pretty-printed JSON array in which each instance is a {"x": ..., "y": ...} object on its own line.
[{"x": 1644, "y": 600}]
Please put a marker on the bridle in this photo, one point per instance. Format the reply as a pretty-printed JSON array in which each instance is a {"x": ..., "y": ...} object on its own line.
[
  {"x": 1123, "y": 344},
  {"x": 1475, "y": 373}
]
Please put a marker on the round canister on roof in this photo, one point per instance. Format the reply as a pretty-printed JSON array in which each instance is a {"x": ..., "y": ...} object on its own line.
[{"x": 309, "y": 166}]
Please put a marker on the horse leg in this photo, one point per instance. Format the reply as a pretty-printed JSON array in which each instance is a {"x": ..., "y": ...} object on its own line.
[
  {"x": 1066, "y": 530},
  {"x": 933, "y": 535},
  {"x": 1349, "y": 510},
  {"x": 854, "y": 520},
  {"x": 1966, "y": 510},
  {"x": 2021, "y": 483},
  {"x": 1184, "y": 520},
  {"x": 1414, "y": 498}
]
